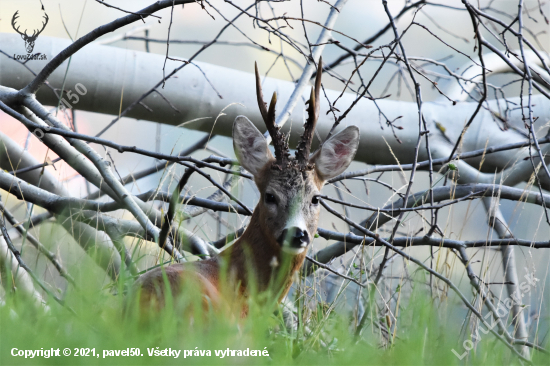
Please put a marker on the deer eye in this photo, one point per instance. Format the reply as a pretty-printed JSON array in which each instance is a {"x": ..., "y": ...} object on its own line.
[
  {"x": 315, "y": 200},
  {"x": 269, "y": 198}
]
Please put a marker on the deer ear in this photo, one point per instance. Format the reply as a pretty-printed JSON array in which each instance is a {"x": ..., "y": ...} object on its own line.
[
  {"x": 337, "y": 153},
  {"x": 250, "y": 145}
]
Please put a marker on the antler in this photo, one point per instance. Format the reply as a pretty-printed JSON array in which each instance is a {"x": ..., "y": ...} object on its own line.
[
  {"x": 304, "y": 146},
  {"x": 43, "y": 25},
  {"x": 15, "y": 16},
  {"x": 268, "y": 115},
  {"x": 36, "y": 32}
]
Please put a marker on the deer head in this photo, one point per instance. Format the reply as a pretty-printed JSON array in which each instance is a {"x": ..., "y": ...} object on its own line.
[
  {"x": 289, "y": 186},
  {"x": 29, "y": 40}
]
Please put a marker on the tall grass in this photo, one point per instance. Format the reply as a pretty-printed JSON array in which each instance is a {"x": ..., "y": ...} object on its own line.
[{"x": 95, "y": 317}]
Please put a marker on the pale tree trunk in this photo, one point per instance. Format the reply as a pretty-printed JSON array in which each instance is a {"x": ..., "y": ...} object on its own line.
[{"x": 104, "y": 71}]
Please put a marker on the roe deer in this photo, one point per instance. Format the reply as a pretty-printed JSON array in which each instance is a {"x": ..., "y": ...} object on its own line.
[{"x": 283, "y": 224}]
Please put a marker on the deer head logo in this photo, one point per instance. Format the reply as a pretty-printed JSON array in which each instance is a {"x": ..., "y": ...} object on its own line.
[{"x": 29, "y": 39}]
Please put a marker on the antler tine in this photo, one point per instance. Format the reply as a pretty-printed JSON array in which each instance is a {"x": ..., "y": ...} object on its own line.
[
  {"x": 318, "y": 88},
  {"x": 268, "y": 115},
  {"x": 13, "y": 19},
  {"x": 304, "y": 146},
  {"x": 44, "y": 24},
  {"x": 260, "y": 95}
]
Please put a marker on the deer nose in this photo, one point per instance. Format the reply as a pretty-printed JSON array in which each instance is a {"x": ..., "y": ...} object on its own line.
[{"x": 295, "y": 237}]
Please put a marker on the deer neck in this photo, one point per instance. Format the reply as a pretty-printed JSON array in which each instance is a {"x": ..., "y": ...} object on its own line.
[{"x": 256, "y": 256}]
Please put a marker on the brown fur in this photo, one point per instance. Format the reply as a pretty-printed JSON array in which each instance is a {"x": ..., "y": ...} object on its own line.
[
  {"x": 255, "y": 255},
  {"x": 205, "y": 274}
]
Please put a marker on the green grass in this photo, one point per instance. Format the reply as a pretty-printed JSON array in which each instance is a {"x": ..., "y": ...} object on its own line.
[{"x": 425, "y": 334}]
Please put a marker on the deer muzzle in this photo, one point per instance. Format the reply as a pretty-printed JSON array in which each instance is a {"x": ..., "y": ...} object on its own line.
[{"x": 294, "y": 240}]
